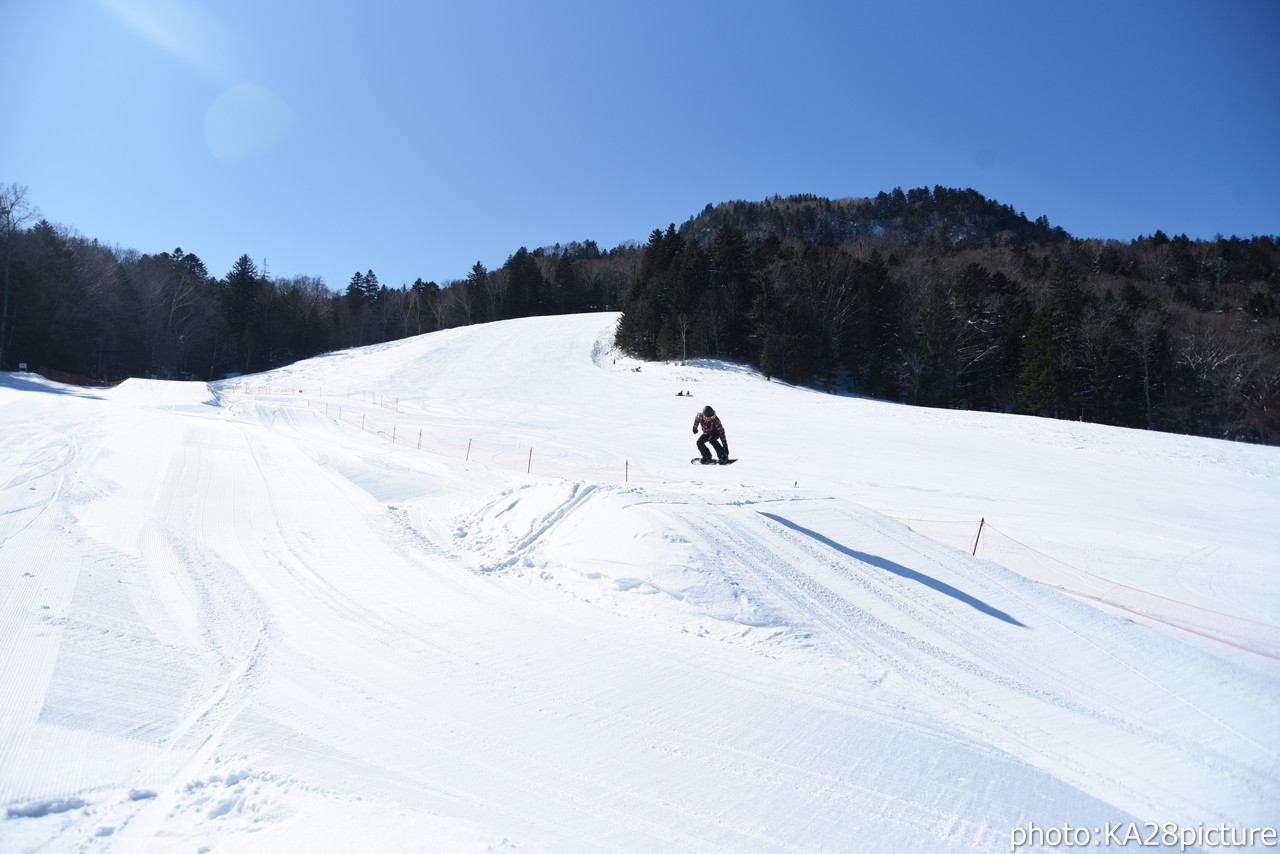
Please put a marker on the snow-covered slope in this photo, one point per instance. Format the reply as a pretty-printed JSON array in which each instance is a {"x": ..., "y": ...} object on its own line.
[{"x": 464, "y": 592}]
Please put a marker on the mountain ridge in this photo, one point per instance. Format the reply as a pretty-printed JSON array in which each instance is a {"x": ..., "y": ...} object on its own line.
[{"x": 918, "y": 217}]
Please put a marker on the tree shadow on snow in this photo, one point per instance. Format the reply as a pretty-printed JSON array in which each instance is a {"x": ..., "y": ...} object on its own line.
[
  {"x": 900, "y": 570},
  {"x": 34, "y": 382}
]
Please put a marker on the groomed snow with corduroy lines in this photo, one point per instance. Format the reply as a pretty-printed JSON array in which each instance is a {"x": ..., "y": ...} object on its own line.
[{"x": 465, "y": 593}]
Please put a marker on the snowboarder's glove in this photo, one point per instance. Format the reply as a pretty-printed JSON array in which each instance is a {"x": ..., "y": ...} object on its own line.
[{"x": 695, "y": 429}]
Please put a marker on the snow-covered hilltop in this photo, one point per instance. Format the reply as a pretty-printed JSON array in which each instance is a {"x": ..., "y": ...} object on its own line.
[{"x": 464, "y": 592}]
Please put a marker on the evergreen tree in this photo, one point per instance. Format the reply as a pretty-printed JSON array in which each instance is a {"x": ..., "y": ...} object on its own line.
[
  {"x": 51, "y": 297},
  {"x": 647, "y": 304},
  {"x": 525, "y": 291},
  {"x": 371, "y": 289},
  {"x": 240, "y": 309},
  {"x": 680, "y": 301},
  {"x": 1067, "y": 307},
  {"x": 476, "y": 288},
  {"x": 568, "y": 297},
  {"x": 873, "y": 342},
  {"x": 733, "y": 285},
  {"x": 938, "y": 339},
  {"x": 356, "y": 296},
  {"x": 1041, "y": 384}
]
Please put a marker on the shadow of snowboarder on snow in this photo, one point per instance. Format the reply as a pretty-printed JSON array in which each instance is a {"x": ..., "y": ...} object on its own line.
[{"x": 900, "y": 570}]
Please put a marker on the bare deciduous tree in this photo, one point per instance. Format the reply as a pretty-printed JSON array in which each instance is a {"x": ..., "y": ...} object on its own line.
[{"x": 15, "y": 212}]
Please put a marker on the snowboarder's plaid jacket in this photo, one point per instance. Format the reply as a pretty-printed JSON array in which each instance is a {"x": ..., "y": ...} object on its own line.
[{"x": 711, "y": 426}]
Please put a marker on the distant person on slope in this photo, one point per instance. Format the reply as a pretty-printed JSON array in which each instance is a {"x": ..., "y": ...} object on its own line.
[{"x": 713, "y": 432}]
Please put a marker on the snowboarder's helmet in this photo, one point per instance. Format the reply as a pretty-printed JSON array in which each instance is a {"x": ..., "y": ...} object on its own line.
[{"x": 709, "y": 412}]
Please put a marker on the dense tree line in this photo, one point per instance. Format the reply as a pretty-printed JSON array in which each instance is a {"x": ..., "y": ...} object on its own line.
[
  {"x": 942, "y": 298},
  {"x": 935, "y": 297},
  {"x": 918, "y": 217},
  {"x": 77, "y": 306}
]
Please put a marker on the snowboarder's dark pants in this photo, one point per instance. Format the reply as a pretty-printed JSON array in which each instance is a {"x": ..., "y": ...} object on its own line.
[{"x": 715, "y": 443}]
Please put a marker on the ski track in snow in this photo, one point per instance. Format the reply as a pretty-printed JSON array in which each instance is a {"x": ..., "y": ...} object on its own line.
[{"x": 231, "y": 621}]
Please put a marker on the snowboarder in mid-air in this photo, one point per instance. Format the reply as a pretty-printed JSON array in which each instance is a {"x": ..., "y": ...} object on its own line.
[{"x": 713, "y": 433}]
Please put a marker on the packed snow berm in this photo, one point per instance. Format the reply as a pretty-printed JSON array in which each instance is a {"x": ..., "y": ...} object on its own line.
[{"x": 463, "y": 592}]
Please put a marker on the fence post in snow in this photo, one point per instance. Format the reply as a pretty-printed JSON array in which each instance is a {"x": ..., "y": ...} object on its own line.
[
  {"x": 419, "y": 439},
  {"x": 981, "y": 522},
  {"x": 529, "y": 468},
  {"x": 468, "y": 457}
]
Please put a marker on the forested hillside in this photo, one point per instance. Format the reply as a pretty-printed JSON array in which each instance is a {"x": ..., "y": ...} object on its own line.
[
  {"x": 937, "y": 297},
  {"x": 75, "y": 305},
  {"x": 944, "y": 298}
]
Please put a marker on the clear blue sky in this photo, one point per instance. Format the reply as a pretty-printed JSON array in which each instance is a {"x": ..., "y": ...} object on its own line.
[{"x": 417, "y": 138}]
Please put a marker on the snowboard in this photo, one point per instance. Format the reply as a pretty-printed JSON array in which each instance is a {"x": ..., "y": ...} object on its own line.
[{"x": 698, "y": 461}]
